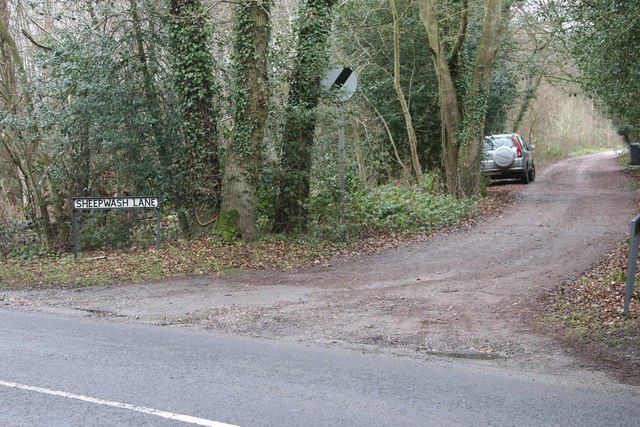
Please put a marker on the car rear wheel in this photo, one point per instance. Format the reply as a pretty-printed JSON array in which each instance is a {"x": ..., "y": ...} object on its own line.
[
  {"x": 532, "y": 173},
  {"x": 525, "y": 177}
]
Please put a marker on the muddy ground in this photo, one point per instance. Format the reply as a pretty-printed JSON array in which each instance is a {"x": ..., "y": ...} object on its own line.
[{"x": 470, "y": 293}]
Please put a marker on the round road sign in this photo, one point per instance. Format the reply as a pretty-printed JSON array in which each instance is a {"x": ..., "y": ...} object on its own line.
[{"x": 342, "y": 79}]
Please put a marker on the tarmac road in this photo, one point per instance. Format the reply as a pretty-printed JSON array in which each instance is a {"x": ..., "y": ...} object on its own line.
[{"x": 64, "y": 371}]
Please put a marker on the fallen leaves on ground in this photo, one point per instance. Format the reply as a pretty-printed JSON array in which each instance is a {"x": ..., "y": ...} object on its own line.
[
  {"x": 588, "y": 315},
  {"x": 593, "y": 304},
  {"x": 592, "y": 308},
  {"x": 211, "y": 255}
]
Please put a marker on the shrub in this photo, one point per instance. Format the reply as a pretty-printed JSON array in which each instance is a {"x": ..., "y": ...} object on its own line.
[
  {"x": 387, "y": 209},
  {"x": 16, "y": 236}
]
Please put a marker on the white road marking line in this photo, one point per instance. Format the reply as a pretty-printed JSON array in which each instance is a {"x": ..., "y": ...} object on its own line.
[{"x": 149, "y": 411}]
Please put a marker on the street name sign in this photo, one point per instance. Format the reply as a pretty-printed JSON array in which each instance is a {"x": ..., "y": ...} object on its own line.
[
  {"x": 108, "y": 203},
  {"x": 90, "y": 203}
]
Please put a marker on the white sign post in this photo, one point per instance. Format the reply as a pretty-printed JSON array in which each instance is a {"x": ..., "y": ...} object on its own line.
[
  {"x": 108, "y": 203},
  {"x": 345, "y": 81}
]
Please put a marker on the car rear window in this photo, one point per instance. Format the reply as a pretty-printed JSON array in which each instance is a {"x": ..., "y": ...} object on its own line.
[{"x": 491, "y": 142}]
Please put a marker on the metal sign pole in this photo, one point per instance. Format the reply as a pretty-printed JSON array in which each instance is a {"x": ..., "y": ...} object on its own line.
[
  {"x": 634, "y": 243},
  {"x": 158, "y": 228},
  {"x": 113, "y": 203},
  {"x": 341, "y": 143},
  {"x": 75, "y": 235},
  {"x": 344, "y": 81}
]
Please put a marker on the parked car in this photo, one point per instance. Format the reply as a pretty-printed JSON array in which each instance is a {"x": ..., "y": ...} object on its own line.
[{"x": 508, "y": 156}]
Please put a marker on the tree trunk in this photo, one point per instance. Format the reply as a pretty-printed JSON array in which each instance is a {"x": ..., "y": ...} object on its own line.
[
  {"x": 24, "y": 154},
  {"x": 314, "y": 23},
  {"x": 533, "y": 83},
  {"x": 166, "y": 161},
  {"x": 63, "y": 229},
  {"x": 449, "y": 109},
  {"x": 462, "y": 136},
  {"x": 411, "y": 134},
  {"x": 147, "y": 79},
  {"x": 471, "y": 147},
  {"x": 357, "y": 151},
  {"x": 242, "y": 163},
  {"x": 406, "y": 171},
  {"x": 197, "y": 94}
]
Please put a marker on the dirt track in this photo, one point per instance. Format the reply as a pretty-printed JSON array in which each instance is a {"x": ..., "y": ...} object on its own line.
[{"x": 465, "y": 294}]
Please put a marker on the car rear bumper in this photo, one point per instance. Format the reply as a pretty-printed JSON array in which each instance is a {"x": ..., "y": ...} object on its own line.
[{"x": 504, "y": 173}]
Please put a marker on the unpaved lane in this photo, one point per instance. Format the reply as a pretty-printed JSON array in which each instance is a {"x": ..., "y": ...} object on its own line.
[{"x": 459, "y": 293}]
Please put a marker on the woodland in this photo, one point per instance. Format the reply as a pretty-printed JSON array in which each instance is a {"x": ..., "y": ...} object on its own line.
[{"x": 216, "y": 108}]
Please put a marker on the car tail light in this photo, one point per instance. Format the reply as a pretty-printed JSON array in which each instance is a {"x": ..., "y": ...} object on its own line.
[{"x": 515, "y": 140}]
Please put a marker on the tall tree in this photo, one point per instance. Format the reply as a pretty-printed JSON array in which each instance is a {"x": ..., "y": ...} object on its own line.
[
  {"x": 195, "y": 156},
  {"x": 251, "y": 99},
  {"x": 605, "y": 35},
  {"x": 462, "y": 106},
  {"x": 366, "y": 35},
  {"x": 539, "y": 50},
  {"x": 20, "y": 134},
  {"x": 312, "y": 29},
  {"x": 100, "y": 93},
  {"x": 411, "y": 133}
]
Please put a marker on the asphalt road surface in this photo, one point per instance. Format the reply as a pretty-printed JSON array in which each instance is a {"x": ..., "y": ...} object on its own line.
[{"x": 67, "y": 371}]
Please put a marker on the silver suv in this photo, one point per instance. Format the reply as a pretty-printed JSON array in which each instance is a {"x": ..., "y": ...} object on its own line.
[{"x": 508, "y": 156}]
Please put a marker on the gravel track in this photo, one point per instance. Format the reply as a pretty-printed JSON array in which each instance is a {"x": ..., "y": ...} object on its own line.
[{"x": 469, "y": 293}]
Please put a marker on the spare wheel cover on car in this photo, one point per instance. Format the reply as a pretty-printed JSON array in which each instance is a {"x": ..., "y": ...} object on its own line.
[{"x": 503, "y": 157}]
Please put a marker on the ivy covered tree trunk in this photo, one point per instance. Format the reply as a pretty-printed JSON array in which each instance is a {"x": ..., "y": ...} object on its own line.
[
  {"x": 154, "y": 110},
  {"x": 313, "y": 26},
  {"x": 172, "y": 169},
  {"x": 251, "y": 98},
  {"x": 195, "y": 156},
  {"x": 444, "y": 66},
  {"x": 462, "y": 115},
  {"x": 476, "y": 107}
]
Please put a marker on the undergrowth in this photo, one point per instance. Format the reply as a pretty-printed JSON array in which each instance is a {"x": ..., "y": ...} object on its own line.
[
  {"x": 592, "y": 306},
  {"x": 387, "y": 209},
  {"x": 365, "y": 222}
]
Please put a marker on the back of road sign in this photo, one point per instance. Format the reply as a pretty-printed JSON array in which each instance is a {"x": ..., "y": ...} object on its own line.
[{"x": 342, "y": 79}]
